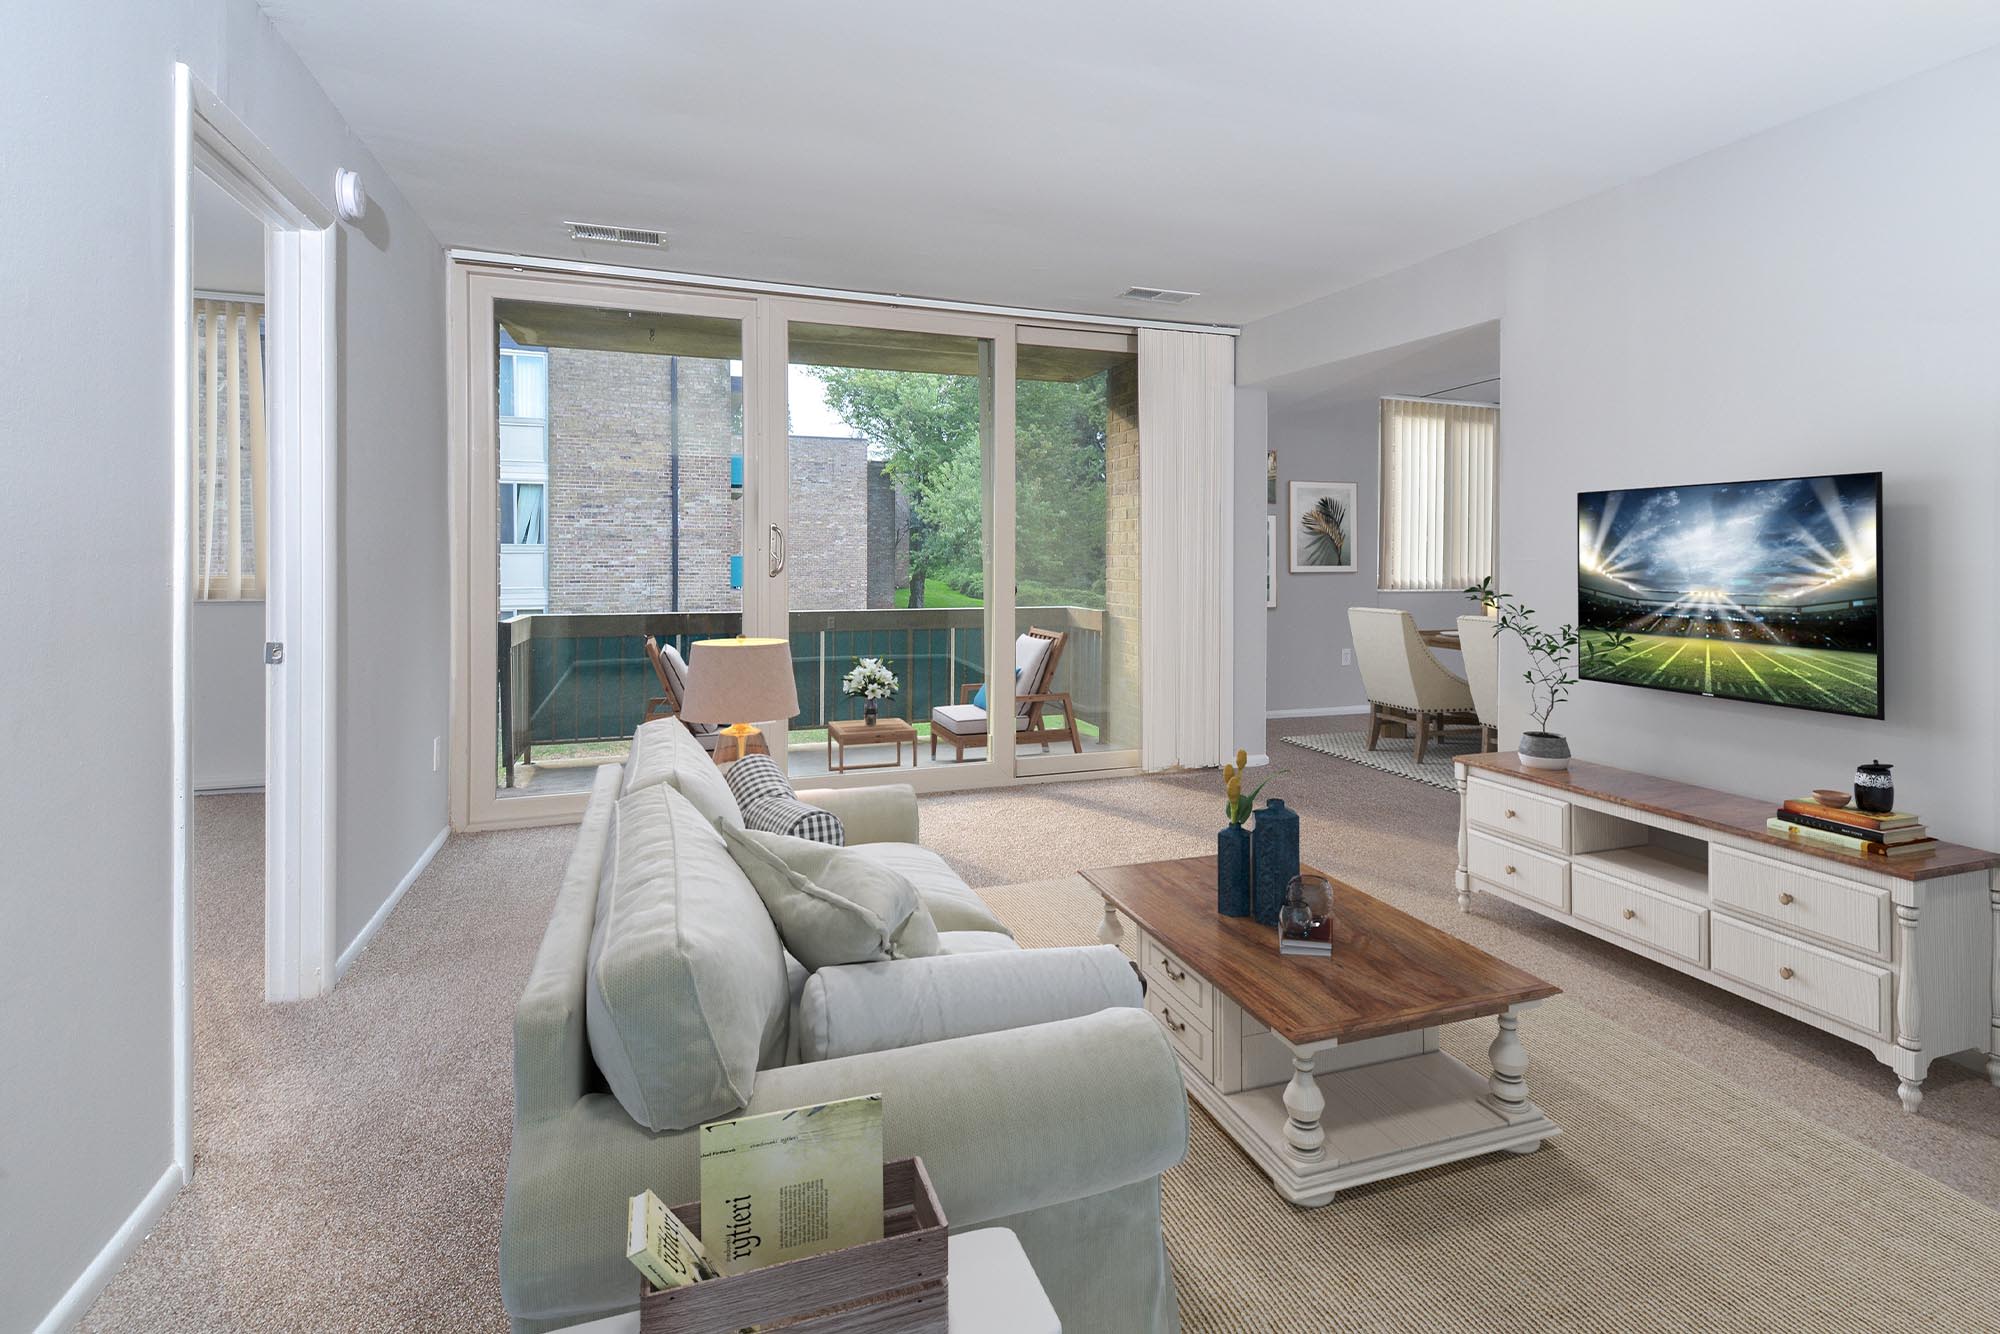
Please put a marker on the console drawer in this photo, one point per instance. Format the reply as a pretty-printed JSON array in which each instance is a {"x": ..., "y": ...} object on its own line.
[
  {"x": 1187, "y": 990},
  {"x": 1666, "y": 923},
  {"x": 1846, "y": 990},
  {"x": 1530, "y": 874},
  {"x": 1543, "y": 821},
  {"x": 1192, "y": 1040},
  {"x": 1802, "y": 901}
]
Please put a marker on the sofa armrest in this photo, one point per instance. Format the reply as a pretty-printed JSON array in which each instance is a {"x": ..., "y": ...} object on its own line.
[
  {"x": 886, "y": 814},
  {"x": 853, "y": 1008},
  {"x": 1006, "y": 1123}
]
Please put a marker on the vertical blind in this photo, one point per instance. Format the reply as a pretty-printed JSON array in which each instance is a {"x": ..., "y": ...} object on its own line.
[
  {"x": 1439, "y": 494},
  {"x": 230, "y": 450}
]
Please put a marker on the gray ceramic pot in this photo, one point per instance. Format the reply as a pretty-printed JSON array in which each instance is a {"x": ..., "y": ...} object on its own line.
[{"x": 1544, "y": 750}]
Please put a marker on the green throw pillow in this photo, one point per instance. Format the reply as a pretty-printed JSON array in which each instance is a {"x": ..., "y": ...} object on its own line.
[{"x": 831, "y": 906}]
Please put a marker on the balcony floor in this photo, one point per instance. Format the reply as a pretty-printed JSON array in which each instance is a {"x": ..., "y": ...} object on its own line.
[{"x": 806, "y": 761}]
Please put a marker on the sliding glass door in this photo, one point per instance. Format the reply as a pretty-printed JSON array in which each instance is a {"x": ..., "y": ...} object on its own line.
[{"x": 640, "y": 467}]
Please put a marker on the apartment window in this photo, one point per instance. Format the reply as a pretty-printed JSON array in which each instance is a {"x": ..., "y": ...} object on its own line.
[
  {"x": 522, "y": 508},
  {"x": 1439, "y": 527},
  {"x": 230, "y": 450}
]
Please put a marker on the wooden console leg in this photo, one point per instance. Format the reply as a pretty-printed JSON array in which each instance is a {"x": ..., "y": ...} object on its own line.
[
  {"x": 1463, "y": 878},
  {"x": 1911, "y": 1091},
  {"x": 1304, "y": 1105},
  {"x": 1110, "y": 931}
]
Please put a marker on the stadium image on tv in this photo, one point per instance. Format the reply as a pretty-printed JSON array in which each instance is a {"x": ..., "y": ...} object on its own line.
[{"x": 1765, "y": 591}]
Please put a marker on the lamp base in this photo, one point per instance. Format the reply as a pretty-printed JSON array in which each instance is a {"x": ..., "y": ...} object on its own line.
[{"x": 738, "y": 740}]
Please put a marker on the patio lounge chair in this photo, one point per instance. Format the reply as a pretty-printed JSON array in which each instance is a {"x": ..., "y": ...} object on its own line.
[
  {"x": 673, "y": 674},
  {"x": 1036, "y": 654}
]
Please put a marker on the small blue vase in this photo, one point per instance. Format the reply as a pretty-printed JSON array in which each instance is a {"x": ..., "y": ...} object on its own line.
[
  {"x": 1274, "y": 859},
  {"x": 1232, "y": 872}
]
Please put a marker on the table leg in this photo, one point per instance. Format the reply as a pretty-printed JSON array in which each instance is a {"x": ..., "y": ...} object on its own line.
[
  {"x": 1304, "y": 1105},
  {"x": 1110, "y": 931},
  {"x": 1510, "y": 1070}
]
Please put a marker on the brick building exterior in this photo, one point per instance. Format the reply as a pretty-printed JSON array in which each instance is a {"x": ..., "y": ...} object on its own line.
[{"x": 1121, "y": 554}]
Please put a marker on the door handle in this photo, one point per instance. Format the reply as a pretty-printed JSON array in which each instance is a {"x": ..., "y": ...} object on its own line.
[{"x": 777, "y": 549}]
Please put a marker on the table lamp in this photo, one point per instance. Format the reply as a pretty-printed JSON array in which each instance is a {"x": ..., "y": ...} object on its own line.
[{"x": 730, "y": 680}]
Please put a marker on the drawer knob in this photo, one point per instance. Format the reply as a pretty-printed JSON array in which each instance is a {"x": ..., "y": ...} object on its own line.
[
  {"x": 1167, "y": 967},
  {"x": 1511, "y": 815},
  {"x": 1784, "y": 898},
  {"x": 1629, "y": 914},
  {"x": 1510, "y": 870},
  {"x": 1784, "y": 972},
  {"x": 1167, "y": 1018}
]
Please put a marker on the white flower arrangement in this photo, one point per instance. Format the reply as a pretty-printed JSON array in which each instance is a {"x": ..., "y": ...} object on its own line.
[{"x": 870, "y": 679}]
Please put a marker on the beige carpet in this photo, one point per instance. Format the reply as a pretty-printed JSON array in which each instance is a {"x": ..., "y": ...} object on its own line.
[
  {"x": 1673, "y": 1200},
  {"x": 388, "y": 1104}
]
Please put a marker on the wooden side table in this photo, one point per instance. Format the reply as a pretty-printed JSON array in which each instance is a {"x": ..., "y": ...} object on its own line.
[{"x": 854, "y": 732}]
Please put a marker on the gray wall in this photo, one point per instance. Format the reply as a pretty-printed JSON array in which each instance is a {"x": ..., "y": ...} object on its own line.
[
  {"x": 1333, "y": 435},
  {"x": 85, "y": 979},
  {"x": 1819, "y": 298}
]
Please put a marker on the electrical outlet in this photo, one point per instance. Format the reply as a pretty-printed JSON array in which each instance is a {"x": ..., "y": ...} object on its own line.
[
  {"x": 1347, "y": 657},
  {"x": 437, "y": 753}
]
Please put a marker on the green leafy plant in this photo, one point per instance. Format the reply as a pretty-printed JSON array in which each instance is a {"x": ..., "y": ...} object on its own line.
[
  {"x": 1235, "y": 804},
  {"x": 1553, "y": 656},
  {"x": 1325, "y": 529}
]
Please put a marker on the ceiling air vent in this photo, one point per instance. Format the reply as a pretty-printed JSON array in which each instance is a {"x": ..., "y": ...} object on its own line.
[
  {"x": 1159, "y": 296},
  {"x": 597, "y": 231}
]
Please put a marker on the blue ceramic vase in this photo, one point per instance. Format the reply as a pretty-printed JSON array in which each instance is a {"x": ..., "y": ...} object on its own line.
[
  {"x": 1274, "y": 860},
  {"x": 1232, "y": 872}
]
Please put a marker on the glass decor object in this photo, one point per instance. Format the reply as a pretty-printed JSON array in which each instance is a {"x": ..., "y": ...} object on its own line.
[
  {"x": 1874, "y": 789},
  {"x": 1274, "y": 860},
  {"x": 1305, "y": 926}
]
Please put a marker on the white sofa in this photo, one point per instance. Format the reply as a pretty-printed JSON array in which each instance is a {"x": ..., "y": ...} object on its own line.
[{"x": 1038, "y": 1094}]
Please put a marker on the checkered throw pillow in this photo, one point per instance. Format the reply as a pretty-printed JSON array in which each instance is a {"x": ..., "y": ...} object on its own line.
[{"x": 764, "y": 795}]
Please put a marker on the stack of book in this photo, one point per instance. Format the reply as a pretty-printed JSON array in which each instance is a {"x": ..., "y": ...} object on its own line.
[{"x": 1895, "y": 834}]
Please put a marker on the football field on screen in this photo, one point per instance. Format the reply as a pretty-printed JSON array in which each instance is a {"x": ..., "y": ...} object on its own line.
[{"x": 1813, "y": 678}]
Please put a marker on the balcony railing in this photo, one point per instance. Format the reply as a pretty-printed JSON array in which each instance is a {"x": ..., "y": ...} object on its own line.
[{"x": 573, "y": 679}]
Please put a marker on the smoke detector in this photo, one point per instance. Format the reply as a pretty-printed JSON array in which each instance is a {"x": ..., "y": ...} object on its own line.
[
  {"x": 598, "y": 231},
  {"x": 1159, "y": 296}
]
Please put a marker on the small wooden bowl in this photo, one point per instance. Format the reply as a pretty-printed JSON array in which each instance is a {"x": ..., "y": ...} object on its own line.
[{"x": 1831, "y": 796}]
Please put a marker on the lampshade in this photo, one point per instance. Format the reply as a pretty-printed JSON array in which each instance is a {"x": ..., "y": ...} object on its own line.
[{"x": 739, "y": 681}]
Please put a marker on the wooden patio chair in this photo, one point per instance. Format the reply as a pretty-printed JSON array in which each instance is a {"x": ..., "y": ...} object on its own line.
[
  {"x": 963, "y": 725},
  {"x": 673, "y": 673}
]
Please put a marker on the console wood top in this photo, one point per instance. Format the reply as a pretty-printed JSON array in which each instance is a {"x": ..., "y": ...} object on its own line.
[
  {"x": 1389, "y": 973},
  {"x": 1725, "y": 812}
]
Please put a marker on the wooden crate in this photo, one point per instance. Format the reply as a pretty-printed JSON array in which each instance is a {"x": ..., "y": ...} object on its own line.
[{"x": 889, "y": 1286}]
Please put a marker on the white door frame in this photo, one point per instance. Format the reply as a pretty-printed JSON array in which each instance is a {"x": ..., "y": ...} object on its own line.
[{"x": 301, "y": 569}]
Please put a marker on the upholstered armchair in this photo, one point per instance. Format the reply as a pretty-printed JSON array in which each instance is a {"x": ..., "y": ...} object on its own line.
[
  {"x": 1405, "y": 684},
  {"x": 1477, "y": 641}
]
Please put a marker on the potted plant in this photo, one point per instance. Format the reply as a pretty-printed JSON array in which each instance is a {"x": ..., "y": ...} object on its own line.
[
  {"x": 1552, "y": 660},
  {"x": 870, "y": 681}
]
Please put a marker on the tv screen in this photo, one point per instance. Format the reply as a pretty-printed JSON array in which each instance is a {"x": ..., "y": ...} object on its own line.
[{"x": 1765, "y": 591}]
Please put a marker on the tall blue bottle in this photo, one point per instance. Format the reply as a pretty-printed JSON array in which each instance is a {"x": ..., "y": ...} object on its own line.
[
  {"x": 1274, "y": 860},
  {"x": 1232, "y": 872}
]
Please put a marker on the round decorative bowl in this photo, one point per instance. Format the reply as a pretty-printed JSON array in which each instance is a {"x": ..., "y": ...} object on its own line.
[{"x": 1831, "y": 796}]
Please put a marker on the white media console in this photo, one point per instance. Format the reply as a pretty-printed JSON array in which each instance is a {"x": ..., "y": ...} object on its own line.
[{"x": 1898, "y": 957}]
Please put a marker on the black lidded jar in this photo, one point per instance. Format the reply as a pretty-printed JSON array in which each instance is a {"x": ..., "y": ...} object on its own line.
[{"x": 1874, "y": 789}]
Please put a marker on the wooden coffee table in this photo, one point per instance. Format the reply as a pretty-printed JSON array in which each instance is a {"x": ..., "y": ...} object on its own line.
[
  {"x": 882, "y": 732},
  {"x": 1327, "y": 1071}
]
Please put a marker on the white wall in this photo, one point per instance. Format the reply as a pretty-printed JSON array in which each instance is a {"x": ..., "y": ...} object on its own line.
[
  {"x": 1326, "y": 427},
  {"x": 226, "y": 694},
  {"x": 1824, "y": 297},
  {"x": 1252, "y": 442},
  {"x": 85, "y": 984}
]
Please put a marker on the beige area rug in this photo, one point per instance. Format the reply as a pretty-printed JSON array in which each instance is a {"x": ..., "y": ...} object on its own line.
[{"x": 1674, "y": 1200}]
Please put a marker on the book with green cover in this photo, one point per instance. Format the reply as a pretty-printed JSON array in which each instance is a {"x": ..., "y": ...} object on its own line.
[
  {"x": 1785, "y": 828},
  {"x": 660, "y": 1245},
  {"x": 786, "y": 1185}
]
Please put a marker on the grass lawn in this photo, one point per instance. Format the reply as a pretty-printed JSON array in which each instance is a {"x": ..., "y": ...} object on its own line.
[{"x": 939, "y": 595}]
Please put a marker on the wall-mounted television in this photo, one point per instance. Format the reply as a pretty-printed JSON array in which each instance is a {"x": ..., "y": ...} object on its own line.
[{"x": 1766, "y": 591}]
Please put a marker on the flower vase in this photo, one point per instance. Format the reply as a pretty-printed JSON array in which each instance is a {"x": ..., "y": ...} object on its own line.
[
  {"x": 1232, "y": 872},
  {"x": 1274, "y": 860},
  {"x": 868, "y": 712}
]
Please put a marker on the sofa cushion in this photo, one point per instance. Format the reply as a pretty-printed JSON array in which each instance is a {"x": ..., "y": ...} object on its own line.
[
  {"x": 832, "y": 906},
  {"x": 765, "y": 797},
  {"x": 880, "y": 1007},
  {"x": 959, "y": 942},
  {"x": 663, "y": 751},
  {"x": 952, "y": 906},
  {"x": 687, "y": 996},
  {"x": 967, "y": 719}
]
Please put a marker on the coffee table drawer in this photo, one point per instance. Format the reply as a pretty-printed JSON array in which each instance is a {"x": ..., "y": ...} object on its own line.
[
  {"x": 1522, "y": 816},
  {"x": 1188, "y": 990},
  {"x": 1800, "y": 900},
  {"x": 1660, "y": 920},
  {"x": 1529, "y": 874},
  {"x": 1192, "y": 1039},
  {"x": 1842, "y": 989}
]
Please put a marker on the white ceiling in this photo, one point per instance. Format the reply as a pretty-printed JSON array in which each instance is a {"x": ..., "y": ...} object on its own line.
[
  {"x": 225, "y": 243},
  {"x": 1051, "y": 153}
]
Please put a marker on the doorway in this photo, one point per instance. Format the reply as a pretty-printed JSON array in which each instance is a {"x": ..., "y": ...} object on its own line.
[{"x": 252, "y": 521}]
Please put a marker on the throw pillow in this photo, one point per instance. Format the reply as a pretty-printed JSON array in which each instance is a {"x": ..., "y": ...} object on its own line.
[
  {"x": 830, "y": 905},
  {"x": 979, "y": 695},
  {"x": 764, "y": 795}
]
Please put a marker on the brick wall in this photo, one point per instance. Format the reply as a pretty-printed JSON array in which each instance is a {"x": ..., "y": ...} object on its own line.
[
  {"x": 1121, "y": 555},
  {"x": 827, "y": 544}
]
